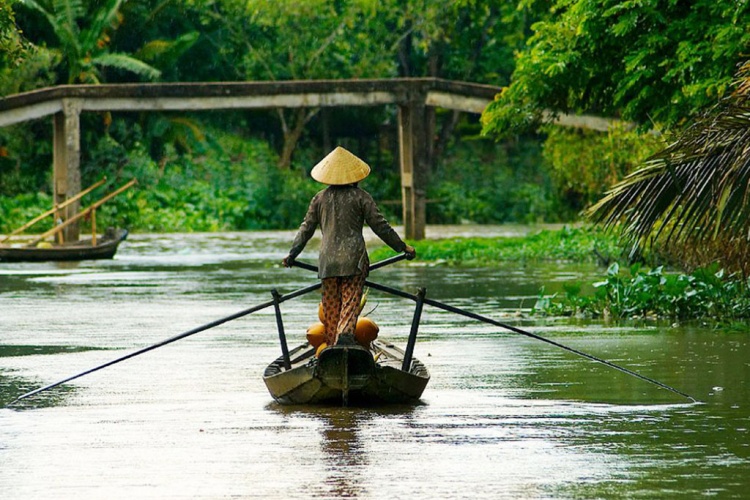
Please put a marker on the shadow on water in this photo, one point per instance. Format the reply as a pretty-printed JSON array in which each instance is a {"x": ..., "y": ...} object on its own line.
[{"x": 12, "y": 386}]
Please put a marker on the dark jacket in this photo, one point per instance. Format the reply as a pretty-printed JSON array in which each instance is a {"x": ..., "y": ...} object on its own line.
[{"x": 341, "y": 212}]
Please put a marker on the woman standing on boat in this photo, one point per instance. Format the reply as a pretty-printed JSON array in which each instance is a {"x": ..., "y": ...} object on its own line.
[{"x": 341, "y": 211}]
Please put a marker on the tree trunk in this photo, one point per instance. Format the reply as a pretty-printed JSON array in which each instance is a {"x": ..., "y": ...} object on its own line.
[
  {"x": 292, "y": 134},
  {"x": 446, "y": 131}
]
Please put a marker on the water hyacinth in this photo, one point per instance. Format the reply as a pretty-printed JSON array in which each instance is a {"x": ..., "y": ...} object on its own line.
[{"x": 705, "y": 294}]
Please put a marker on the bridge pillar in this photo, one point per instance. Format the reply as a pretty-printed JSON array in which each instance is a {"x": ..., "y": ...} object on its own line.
[
  {"x": 413, "y": 160},
  {"x": 66, "y": 163}
]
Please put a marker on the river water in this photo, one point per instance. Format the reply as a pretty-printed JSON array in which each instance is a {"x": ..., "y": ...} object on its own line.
[{"x": 504, "y": 416}]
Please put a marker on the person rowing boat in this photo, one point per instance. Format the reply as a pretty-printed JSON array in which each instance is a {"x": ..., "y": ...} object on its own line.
[{"x": 341, "y": 210}]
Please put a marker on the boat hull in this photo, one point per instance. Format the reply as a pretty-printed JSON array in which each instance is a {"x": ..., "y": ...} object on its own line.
[
  {"x": 346, "y": 375},
  {"x": 105, "y": 249}
]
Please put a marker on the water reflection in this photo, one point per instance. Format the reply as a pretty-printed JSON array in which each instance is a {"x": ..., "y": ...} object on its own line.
[
  {"x": 13, "y": 386},
  {"x": 346, "y": 443}
]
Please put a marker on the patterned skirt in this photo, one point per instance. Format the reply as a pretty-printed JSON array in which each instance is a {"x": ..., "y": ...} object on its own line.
[{"x": 341, "y": 301}]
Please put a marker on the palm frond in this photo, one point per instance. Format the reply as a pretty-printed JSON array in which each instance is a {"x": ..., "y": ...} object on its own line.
[
  {"x": 127, "y": 63},
  {"x": 62, "y": 20},
  {"x": 696, "y": 188},
  {"x": 67, "y": 13},
  {"x": 165, "y": 53}
]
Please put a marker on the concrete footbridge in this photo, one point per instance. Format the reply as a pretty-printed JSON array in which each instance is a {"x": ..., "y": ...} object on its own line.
[{"x": 413, "y": 96}]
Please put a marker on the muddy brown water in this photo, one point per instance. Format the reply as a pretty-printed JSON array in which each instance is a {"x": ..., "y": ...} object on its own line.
[{"x": 503, "y": 416}]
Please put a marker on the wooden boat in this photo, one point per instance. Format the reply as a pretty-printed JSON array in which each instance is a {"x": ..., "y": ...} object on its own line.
[
  {"x": 346, "y": 375},
  {"x": 105, "y": 248},
  {"x": 40, "y": 249}
]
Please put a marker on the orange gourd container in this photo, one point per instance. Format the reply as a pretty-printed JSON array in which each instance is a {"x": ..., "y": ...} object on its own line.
[
  {"x": 366, "y": 331},
  {"x": 316, "y": 334}
]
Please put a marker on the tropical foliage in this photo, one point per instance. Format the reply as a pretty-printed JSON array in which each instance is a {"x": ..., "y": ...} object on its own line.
[
  {"x": 646, "y": 61},
  {"x": 584, "y": 164},
  {"x": 12, "y": 45},
  {"x": 84, "y": 50},
  {"x": 690, "y": 199},
  {"x": 584, "y": 244}
]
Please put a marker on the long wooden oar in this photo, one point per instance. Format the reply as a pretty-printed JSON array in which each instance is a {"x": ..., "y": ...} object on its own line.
[
  {"x": 188, "y": 333},
  {"x": 199, "y": 329},
  {"x": 514, "y": 329}
]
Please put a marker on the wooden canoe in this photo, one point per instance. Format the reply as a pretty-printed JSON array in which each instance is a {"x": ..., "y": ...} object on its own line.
[
  {"x": 346, "y": 375},
  {"x": 105, "y": 248}
]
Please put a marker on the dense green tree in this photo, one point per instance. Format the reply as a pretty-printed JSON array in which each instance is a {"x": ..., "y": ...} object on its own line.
[
  {"x": 177, "y": 40},
  {"x": 584, "y": 164},
  {"x": 289, "y": 40},
  {"x": 22, "y": 65},
  {"x": 645, "y": 61},
  {"x": 468, "y": 40},
  {"x": 12, "y": 46},
  {"x": 82, "y": 32}
]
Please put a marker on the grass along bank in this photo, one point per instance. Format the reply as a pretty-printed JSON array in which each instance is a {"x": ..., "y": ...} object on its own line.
[
  {"x": 708, "y": 295},
  {"x": 569, "y": 244}
]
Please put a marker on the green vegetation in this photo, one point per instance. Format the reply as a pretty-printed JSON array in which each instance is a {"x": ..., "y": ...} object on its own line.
[
  {"x": 650, "y": 62},
  {"x": 705, "y": 294},
  {"x": 653, "y": 64},
  {"x": 608, "y": 157},
  {"x": 481, "y": 183},
  {"x": 83, "y": 52},
  {"x": 690, "y": 199},
  {"x": 585, "y": 244},
  {"x": 231, "y": 184}
]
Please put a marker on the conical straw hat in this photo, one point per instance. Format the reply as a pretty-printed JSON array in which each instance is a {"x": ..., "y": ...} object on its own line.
[{"x": 340, "y": 167}]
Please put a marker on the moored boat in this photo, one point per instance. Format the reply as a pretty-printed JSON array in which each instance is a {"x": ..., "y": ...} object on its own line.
[
  {"x": 348, "y": 374},
  {"x": 40, "y": 249},
  {"x": 105, "y": 248}
]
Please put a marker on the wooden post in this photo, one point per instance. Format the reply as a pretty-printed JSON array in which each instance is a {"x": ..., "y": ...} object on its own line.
[
  {"x": 67, "y": 163},
  {"x": 409, "y": 353},
  {"x": 412, "y": 151},
  {"x": 93, "y": 228},
  {"x": 280, "y": 326}
]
